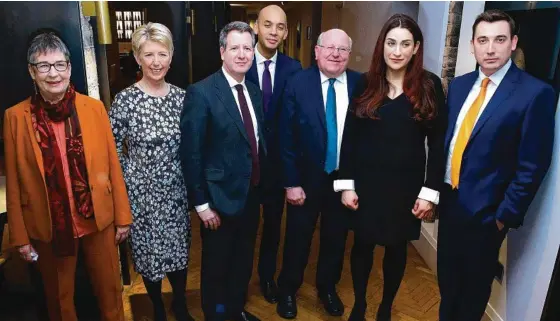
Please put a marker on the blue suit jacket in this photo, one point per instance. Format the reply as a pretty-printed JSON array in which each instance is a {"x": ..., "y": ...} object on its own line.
[
  {"x": 285, "y": 68},
  {"x": 303, "y": 128},
  {"x": 510, "y": 148},
  {"x": 215, "y": 150}
]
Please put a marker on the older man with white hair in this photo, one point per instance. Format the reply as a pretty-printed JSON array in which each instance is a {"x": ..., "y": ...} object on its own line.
[{"x": 310, "y": 131}]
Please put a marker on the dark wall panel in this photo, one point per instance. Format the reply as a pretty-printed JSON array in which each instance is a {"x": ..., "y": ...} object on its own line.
[{"x": 17, "y": 21}]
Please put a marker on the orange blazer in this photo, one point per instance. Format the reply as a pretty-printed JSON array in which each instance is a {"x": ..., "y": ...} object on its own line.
[{"x": 26, "y": 195}]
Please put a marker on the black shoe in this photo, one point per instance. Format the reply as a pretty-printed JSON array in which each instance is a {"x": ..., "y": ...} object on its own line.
[
  {"x": 287, "y": 307},
  {"x": 180, "y": 310},
  {"x": 358, "y": 313},
  {"x": 246, "y": 316},
  {"x": 269, "y": 291},
  {"x": 332, "y": 303}
]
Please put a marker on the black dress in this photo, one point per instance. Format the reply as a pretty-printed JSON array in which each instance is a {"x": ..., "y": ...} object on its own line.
[{"x": 386, "y": 158}]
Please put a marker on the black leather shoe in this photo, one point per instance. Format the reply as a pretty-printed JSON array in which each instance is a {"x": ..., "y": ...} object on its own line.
[
  {"x": 287, "y": 307},
  {"x": 269, "y": 291},
  {"x": 332, "y": 303},
  {"x": 246, "y": 316}
]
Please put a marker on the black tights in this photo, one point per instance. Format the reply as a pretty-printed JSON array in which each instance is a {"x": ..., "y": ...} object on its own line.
[
  {"x": 178, "y": 281},
  {"x": 394, "y": 263}
]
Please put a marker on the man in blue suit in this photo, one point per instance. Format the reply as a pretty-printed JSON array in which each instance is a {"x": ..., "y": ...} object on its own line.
[
  {"x": 499, "y": 146},
  {"x": 270, "y": 71},
  {"x": 222, "y": 147},
  {"x": 311, "y": 126}
]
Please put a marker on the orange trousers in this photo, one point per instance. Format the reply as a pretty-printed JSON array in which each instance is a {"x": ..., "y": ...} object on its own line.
[{"x": 102, "y": 264}]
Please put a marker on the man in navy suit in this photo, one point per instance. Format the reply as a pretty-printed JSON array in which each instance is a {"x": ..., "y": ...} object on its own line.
[
  {"x": 222, "y": 145},
  {"x": 499, "y": 146},
  {"x": 270, "y": 71},
  {"x": 312, "y": 122}
]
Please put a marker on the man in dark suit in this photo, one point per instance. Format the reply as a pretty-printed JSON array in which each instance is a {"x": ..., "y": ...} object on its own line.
[
  {"x": 271, "y": 70},
  {"x": 222, "y": 144},
  {"x": 312, "y": 122},
  {"x": 499, "y": 146}
]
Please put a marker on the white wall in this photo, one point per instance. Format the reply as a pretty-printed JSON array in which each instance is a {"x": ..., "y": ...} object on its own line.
[
  {"x": 532, "y": 250},
  {"x": 432, "y": 19}
]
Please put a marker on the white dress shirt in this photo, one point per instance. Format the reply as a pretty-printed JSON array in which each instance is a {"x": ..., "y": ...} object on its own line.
[
  {"x": 495, "y": 80},
  {"x": 341, "y": 89},
  {"x": 232, "y": 83},
  {"x": 259, "y": 60}
]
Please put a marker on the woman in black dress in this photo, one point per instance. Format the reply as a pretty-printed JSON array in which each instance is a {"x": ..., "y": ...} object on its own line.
[{"x": 395, "y": 107}]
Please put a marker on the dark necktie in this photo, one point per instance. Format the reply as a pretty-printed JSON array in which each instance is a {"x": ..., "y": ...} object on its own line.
[
  {"x": 248, "y": 123},
  {"x": 266, "y": 85},
  {"x": 332, "y": 132}
]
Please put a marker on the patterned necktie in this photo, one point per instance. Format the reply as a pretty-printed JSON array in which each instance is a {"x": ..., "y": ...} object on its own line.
[
  {"x": 332, "y": 135},
  {"x": 465, "y": 133},
  {"x": 266, "y": 85},
  {"x": 248, "y": 123}
]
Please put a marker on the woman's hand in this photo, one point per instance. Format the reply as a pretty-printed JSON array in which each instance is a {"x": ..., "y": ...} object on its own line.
[
  {"x": 423, "y": 209},
  {"x": 122, "y": 234},
  {"x": 27, "y": 253},
  {"x": 350, "y": 200}
]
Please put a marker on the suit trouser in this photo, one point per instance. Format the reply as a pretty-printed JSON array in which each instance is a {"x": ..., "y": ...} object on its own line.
[
  {"x": 102, "y": 264},
  {"x": 300, "y": 225},
  {"x": 227, "y": 261},
  {"x": 467, "y": 257},
  {"x": 273, "y": 209}
]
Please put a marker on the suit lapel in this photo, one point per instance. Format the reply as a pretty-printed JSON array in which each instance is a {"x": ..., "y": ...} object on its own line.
[
  {"x": 317, "y": 92},
  {"x": 253, "y": 74},
  {"x": 33, "y": 137},
  {"x": 256, "y": 100},
  {"x": 225, "y": 95},
  {"x": 504, "y": 90},
  {"x": 461, "y": 95},
  {"x": 351, "y": 83},
  {"x": 87, "y": 128}
]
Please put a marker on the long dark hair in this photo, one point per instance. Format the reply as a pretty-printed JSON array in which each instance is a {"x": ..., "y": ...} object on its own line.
[{"x": 417, "y": 86}]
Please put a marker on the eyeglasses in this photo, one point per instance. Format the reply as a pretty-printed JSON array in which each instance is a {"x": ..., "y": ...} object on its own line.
[
  {"x": 343, "y": 51},
  {"x": 44, "y": 67}
]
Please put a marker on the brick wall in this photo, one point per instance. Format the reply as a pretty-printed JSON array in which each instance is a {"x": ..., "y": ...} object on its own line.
[{"x": 451, "y": 42}]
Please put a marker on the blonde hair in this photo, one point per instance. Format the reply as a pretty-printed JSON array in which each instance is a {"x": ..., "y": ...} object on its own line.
[{"x": 152, "y": 31}]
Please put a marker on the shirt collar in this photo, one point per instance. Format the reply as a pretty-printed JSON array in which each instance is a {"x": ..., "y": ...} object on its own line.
[
  {"x": 260, "y": 59},
  {"x": 232, "y": 82},
  {"x": 497, "y": 77},
  {"x": 341, "y": 78}
]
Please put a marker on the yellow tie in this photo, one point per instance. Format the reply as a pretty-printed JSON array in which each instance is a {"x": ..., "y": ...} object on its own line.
[{"x": 465, "y": 133}]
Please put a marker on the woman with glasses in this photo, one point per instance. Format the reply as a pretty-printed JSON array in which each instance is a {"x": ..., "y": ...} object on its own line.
[
  {"x": 397, "y": 105},
  {"x": 65, "y": 189},
  {"x": 146, "y": 115}
]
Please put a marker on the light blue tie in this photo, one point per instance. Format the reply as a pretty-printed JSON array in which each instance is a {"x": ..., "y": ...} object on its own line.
[{"x": 332, "y": 136}]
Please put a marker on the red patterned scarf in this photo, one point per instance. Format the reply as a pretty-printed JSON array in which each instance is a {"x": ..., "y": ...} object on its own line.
[{"x": 43, "y": 113}]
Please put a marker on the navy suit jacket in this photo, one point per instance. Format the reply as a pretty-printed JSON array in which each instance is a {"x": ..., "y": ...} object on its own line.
[
  {"x": 303, "y": 128},
  {"x": 285, "y": 68},
  {"x": 215, "y": 150},
  {"x": 510, "y": 148}
]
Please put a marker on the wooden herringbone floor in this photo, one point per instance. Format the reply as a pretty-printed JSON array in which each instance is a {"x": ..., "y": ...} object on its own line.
[{"x": 418, "y": 297}]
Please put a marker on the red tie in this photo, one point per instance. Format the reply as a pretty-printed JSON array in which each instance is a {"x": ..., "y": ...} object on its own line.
[{"x": 248, "y": 122}]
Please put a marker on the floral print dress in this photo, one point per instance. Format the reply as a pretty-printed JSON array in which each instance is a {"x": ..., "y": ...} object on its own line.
[{"x": 161, "y": 228}]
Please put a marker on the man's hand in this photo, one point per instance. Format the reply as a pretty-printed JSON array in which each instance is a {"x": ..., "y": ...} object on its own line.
[
  {"x": 295, "y": 195},
  {"x": 121, "y": 234},
  {"x": 350, "y": 199},
  {"x": 27, "y": 253},
  {"x": 500, "y": 225},
  {"x": 210, "y": 218},
  {"x": 423, "y": 209}
]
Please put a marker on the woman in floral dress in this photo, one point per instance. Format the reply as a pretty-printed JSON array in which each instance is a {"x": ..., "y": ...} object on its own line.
[{"x": 146, "y": 116}]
